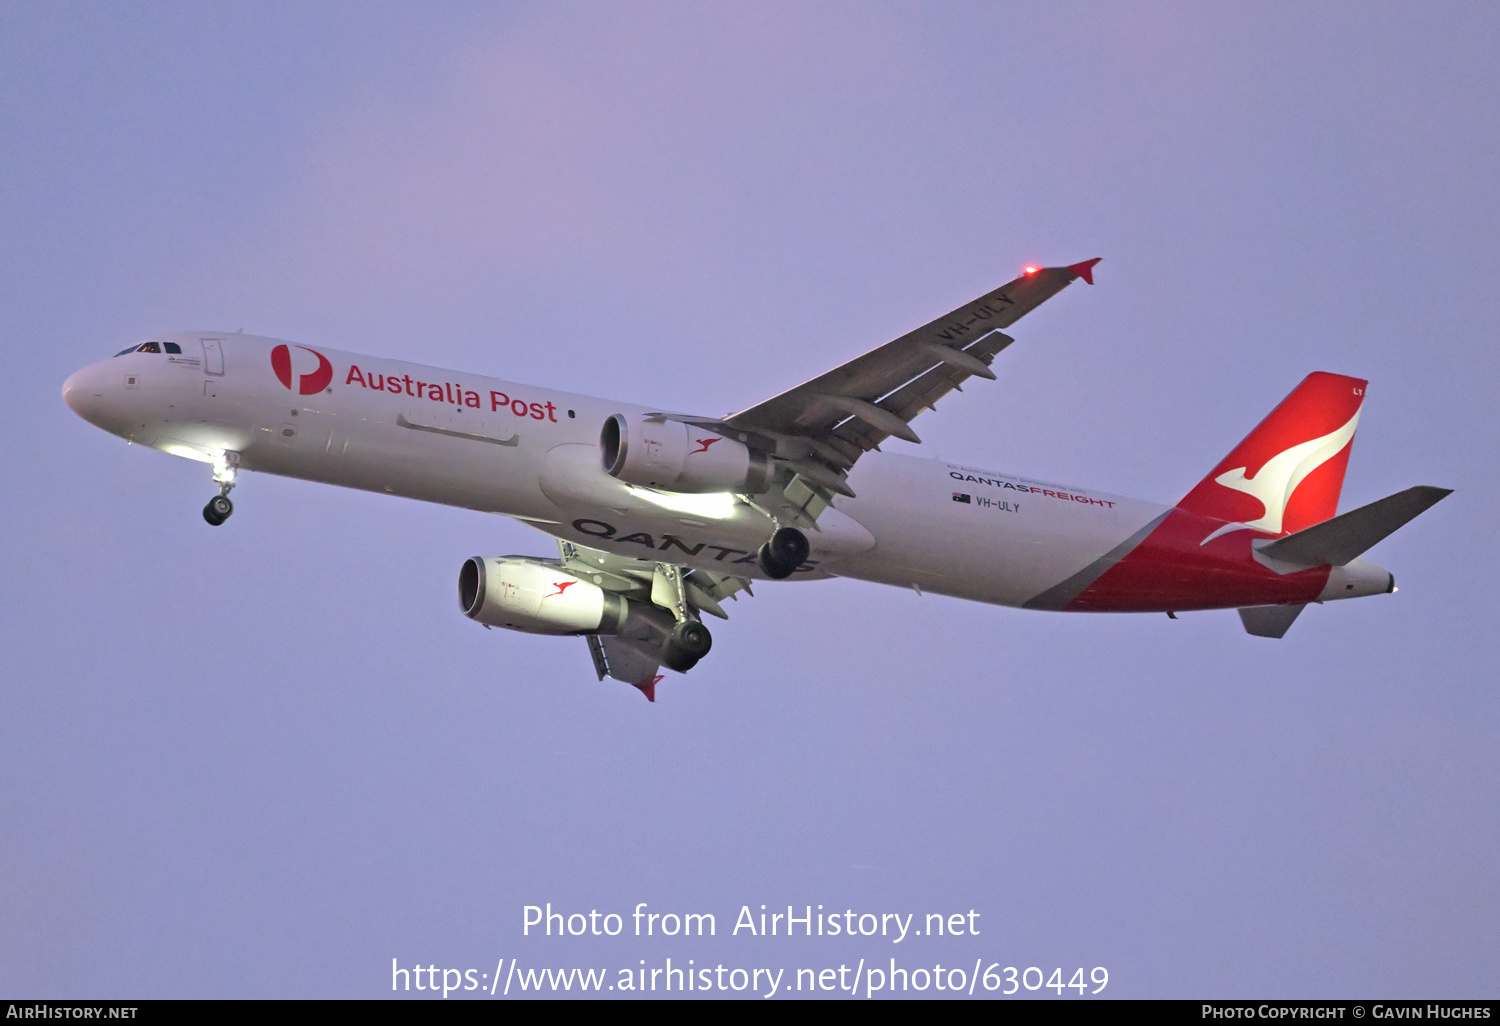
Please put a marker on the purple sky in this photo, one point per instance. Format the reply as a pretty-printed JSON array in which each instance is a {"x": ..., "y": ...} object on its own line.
[{"x": 266, "y": 759}]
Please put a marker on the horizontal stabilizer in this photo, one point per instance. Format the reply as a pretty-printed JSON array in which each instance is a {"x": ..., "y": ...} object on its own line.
[
  {"x": 1269, "y": 621},
  {"x": 1335, "y": 542}
]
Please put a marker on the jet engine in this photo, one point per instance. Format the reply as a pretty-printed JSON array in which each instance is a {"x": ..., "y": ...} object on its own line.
[
  {"x": 535, "y": 596},
  {"x": 539, "y": 597},
  {"x": 678, "y": 457}
]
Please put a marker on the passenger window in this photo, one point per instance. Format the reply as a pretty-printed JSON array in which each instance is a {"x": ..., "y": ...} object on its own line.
[
  {"x": 173, "y": 347},
  {"x": 150, "y": 347}
]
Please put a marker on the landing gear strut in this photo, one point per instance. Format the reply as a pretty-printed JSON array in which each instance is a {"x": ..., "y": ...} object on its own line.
[
  {"x": 219, "y": 507},
  {"x": 689, "y": 640},
  {"x": 783, "y": 554}
]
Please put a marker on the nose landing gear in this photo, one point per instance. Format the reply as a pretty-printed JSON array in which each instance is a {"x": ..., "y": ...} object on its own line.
[{"x": 219, "y": 507}]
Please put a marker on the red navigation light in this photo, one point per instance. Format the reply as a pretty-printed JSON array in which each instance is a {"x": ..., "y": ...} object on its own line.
[{"x": 1032, "y": 270}]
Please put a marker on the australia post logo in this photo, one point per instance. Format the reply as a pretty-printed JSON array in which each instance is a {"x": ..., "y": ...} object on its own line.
[{"x": 307, "y": 382}]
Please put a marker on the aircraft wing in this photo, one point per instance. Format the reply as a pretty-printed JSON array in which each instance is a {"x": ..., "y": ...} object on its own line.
[
  {"x": 635, "y": 578},
  {"x": 824, "y": 425}
]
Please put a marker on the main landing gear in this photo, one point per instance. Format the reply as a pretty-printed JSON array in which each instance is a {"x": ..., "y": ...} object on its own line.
[
  {"x": 783, "y": 554},
  {"x": 689, "y": 640},
  {"x": 219, "y": 507}
]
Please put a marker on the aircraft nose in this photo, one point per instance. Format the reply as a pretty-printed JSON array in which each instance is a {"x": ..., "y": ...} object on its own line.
[
  {"x": 83, "y": 392},
  {"x": 72, "y": 392}
]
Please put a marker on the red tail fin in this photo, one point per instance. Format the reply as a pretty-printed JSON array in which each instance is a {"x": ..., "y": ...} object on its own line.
[{"x": 1288, "y": 472}]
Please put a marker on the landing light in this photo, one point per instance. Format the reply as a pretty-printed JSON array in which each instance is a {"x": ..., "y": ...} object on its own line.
[
  {"x": 711, "y": 505},
  {"x": 187, "y": 452},
  {"x": 224, "y": 470}
]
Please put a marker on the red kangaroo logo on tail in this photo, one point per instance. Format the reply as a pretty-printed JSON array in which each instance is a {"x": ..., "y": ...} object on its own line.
[
  {"x": 561, "y": 587},
  {"x": 703, "y": 444},
  {"x": 307, "y": 384}
]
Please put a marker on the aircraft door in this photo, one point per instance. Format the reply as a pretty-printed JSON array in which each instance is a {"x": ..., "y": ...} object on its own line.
[{"x": 213, "y": 356}]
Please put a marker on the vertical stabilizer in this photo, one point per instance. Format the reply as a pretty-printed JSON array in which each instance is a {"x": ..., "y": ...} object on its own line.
[{"x": 1287, "y": 473}]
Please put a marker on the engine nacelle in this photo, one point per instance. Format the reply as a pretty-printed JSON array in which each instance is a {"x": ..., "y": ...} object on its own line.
[
  {"x": 677, "y": 457},
  {"x": 535, "y": 596}
]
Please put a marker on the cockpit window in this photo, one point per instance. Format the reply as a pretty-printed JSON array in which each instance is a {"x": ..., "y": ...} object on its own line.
[{"x": 153, "y": 347}]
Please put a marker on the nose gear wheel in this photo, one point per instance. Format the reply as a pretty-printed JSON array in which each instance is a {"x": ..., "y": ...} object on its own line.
[{"x": 218, "y": 509}]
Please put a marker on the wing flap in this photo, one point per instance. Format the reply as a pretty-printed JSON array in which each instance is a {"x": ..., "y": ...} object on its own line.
[
  {"x": 617, "y": 658},
  {"x": 923, "y": 391}
]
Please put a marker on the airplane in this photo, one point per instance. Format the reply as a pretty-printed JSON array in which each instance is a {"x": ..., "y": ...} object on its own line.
[{"x": 659, "y": 516}]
